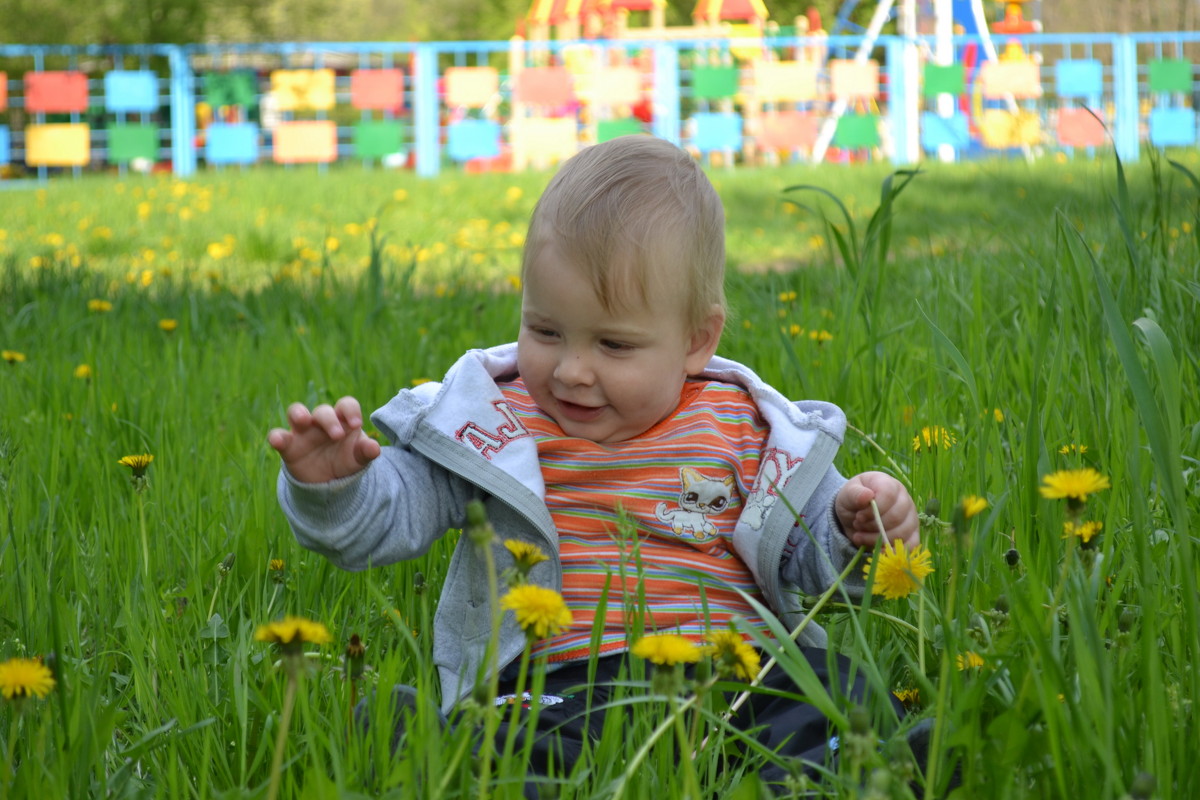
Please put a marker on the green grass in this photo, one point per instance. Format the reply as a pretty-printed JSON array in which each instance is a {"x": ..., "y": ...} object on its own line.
[{"x": 1023, "y": 308}]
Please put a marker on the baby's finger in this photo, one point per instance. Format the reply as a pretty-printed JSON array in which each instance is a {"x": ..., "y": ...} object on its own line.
[
  {"x": 298, "y": 416},
  {"x": 349, "y": 411},
  {"x": 325, "y": 417},
  {"x": 280, "y": 439}
]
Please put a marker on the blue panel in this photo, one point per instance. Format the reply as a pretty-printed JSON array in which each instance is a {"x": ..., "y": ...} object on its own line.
[
  {"x": 227, "y": 143},
  {"x": 473, "y": 138},
  {"x": 1172, "y": 127},
  {"x": 937, "y": 131},
  {"x": 5, "y": 144},
  {"x": 717, "y": 131},
  {"x": 1079, "y": 78},
  {"x": 131, "y": 91}
]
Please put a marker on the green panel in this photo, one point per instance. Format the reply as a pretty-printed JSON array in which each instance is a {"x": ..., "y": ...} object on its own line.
[
  {"x": 1170, "y": 75},
  {"x": 237, "y": 88},
  {"x": 127, "y": 142},
  {"x": 377, "y": 139},
  {"x": 857, "y": 130},
  {"x": 946, "y": 79},
  {"x": 714, "y": 83},
  {"x": 612, "y": 128}
]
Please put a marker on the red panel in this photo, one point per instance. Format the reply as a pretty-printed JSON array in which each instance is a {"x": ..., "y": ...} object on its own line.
[
  {"x": 381, "y": 89},
  {"x": 3, "y": 91},
  {"x": 1078, "y": 128},
  {"x": 55, "y": 92},
  {"x": 789, "y": 130},
  {"x": 549, "y": 86}
]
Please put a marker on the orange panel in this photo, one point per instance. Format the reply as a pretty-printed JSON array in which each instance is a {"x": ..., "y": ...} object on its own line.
[
  {"x": 300, "y": 89},
  {"x": 850, "y": 80},
  {"x": 57, "y": 145},
  {"x": 473, "y": 87},
  {"x": 1078, "y": 128},
  {"x": 550, "y": 86},
  {"x": 381, "y": 89},
  {"x": 1021, "y": 79},
  {"x": 785, "y": 81},
  {"x": 3, "y": 91},
  {"x": 789, "y": 130},
  {"x": 306, "y": 141},
  {"x": 55, "y": 92}
]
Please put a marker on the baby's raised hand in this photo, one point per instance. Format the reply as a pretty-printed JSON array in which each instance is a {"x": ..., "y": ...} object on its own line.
[
  {"x": 897, "y": 510},
  {"x": 325, "y": 443}
]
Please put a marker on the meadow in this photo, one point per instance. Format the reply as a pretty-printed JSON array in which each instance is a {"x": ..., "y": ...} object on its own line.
[{"x": 993, "y": 330}]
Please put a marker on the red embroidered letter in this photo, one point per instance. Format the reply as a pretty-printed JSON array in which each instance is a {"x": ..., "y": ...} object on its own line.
[{"x": 487, "y": 442}]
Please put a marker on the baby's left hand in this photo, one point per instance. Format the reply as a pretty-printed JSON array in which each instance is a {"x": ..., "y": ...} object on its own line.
[{"x": 897, "y": 510}]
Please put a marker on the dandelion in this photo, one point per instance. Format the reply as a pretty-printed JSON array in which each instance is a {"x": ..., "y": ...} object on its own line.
[
  {"x": 138, "y": 463},
  {"x": 733, "y": 655},
  {"x": 900, "y": 572},
  {"x": 933, "y": 437},
  {"x": 1084, "y": 531},
  {"x": 12, "y": 356},
  {"x": 787, "y": 297},
  {"x": 168, "y": 325},
  {"x": 275, "y": 567},
  {"x": 22, "y": 677},
  {"x": 99, "y": 306},
  {"x": 83, "y": 372},
  {"x": 400, "y": 195},
  {"x": 972, "y": 505},
  {"x": 540, "y": 612},
  {"x": 968, "y": 660},
  {"x": 667, "y": 649},
  {"x": 910, "y": 698},
  {"x": 513, "y": 194},
  {"x": 1073, "y": 449},
  {"x": 291, "y": 633},
  {"x": 820, "y": 337},
  {"x": 526, "y": 556},
  {"x": 1074, "y": 485}
]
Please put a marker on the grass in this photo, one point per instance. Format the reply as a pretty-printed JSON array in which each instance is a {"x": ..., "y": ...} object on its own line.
[{"x": 1043, "y": 315}]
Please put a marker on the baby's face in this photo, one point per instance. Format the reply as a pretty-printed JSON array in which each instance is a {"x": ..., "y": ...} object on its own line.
[{"x": 601, "y": 376}]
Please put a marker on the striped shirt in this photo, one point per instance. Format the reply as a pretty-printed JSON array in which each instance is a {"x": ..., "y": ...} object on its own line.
[{"x": 635, "y": 518}]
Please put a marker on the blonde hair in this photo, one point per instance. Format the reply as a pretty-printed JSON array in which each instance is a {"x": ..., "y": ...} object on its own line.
[{"x": 637, "y": 215}]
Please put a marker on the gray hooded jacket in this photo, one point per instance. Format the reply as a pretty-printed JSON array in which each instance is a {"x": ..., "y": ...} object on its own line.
[{"x": 457, "y": 440}]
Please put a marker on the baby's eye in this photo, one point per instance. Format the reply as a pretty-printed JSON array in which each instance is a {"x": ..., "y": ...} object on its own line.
[
  {"x": 615, "y": 347},
  {"x": 545, "y": 333}
]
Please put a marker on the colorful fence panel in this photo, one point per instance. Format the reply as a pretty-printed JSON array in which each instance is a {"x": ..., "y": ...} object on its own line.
[{"x": 500, "y": 105}]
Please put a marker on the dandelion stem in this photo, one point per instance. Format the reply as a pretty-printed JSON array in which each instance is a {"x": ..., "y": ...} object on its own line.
[
  {"x": 285, "y": 719},
  {"x": 879, "y": 522},
  {"x": 491, "y": 720},
  {"x": 640, "y": 755},
  {"x": 141, "y": 501}
]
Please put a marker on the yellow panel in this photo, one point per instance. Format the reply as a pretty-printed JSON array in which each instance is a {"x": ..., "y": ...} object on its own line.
[
  {"x": 745, "y": 50},
  {"x": 785, "y": 81},
  {"x": 850, "y": 80},
  {"x": 305, "y": 141},
  {"x": 473, "y": 87},
  {"x": 543, "y": 140},
  {"x": 579, "y": 58},
  {"x": 1002, "y": 129},
  {"x": 303, "y": 89},
  {"x": 1020, "y": 79},
  {"x": 617, "y": 86},
  {"x": 57, "y": 145}
]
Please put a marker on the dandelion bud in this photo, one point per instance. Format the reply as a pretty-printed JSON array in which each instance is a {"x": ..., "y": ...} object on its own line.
[
  {"x": 355, "y": 658},
  {"x": 933, "y": 506},
  {"x": 226, "y": 565},
  {"x": 1001, "y": 604},
  {"x": 1126, "y": 620},
  {"x": 1143, "y": 786},
  {"x": 860, "y": 720},
  {"x": 479, "y": 530},
  {"x": 419, "y": 584},
  {"x": 1012, "y": 557}
]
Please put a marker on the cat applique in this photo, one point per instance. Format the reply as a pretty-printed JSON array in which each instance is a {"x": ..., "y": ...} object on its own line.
[{"x": 700, "y": 497}]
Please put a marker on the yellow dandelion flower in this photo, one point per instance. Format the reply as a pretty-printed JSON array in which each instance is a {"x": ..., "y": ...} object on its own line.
[
  {"x": 12, "y": 356},
  {"x": 83, "y": 372},
  {"x": 820, "y": 337},
  {"x": 1073, "y": 449},
  {"x": 276, "y": 565},
  {"x": 22, "y": 677},
  {"x": 293, "y": 631},
  {"x": 400, "y": 195},
  {"x": 1073, "y": 484},
  {"x": 540, "y": 612},
  {"x": 138, "y": 463},
  {"x": 733, "y": 655},
  {"x": 526, "y": 554},
  {"x": 933, "y": 437},
  {"x": 513, "y": 194},
  {"x": 900, "y": 572},
  {"x": 787, "y": 297},
  {"x": 972, "y": 505},
  {"x": 168, "y": 325},
  {"x": 968, "y": 660},
  {"x": 1084, "y": 531},
  {"x": 667, "y": 649},
  {"x": 99, "y": 305},
  {"x": 909, "y": 698}
]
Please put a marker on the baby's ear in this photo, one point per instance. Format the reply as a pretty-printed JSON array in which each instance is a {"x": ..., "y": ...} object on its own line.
[{"x": 705, "y": 340}]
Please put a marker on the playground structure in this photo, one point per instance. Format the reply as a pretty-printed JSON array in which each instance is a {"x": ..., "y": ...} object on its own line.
[{"x": 732, "y": 89}]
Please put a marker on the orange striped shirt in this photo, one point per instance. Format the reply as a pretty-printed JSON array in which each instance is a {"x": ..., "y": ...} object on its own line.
[{"x": 680, "y": 487}]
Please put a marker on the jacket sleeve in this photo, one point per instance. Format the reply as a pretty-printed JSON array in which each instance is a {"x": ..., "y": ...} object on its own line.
[
  {"x": 813, "y": 558},
  {"x": 393, "y": 510}
]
